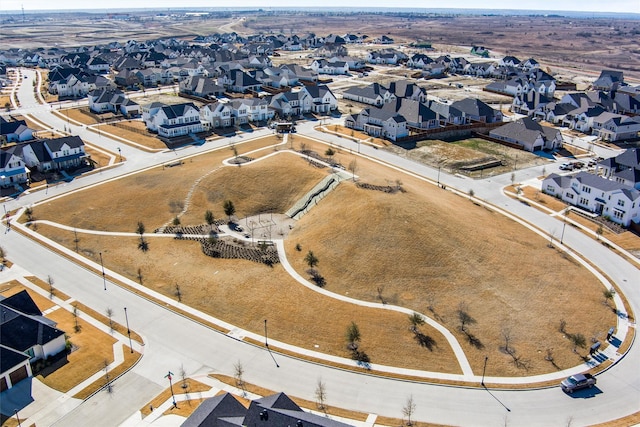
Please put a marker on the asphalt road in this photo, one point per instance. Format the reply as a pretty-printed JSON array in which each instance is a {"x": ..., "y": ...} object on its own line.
[{"x": 173, "y": 341}]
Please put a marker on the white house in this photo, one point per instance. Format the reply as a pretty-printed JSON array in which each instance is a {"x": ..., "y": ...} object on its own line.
[
  {"x": 323, "y": 101},
  {"x": 171, "y": 121},
  {"x": 613, "y": 200},
  {"x": 373, "y": 94},
  {"x": 13, "y": 170},
  {"x": 216, "y": 115}
]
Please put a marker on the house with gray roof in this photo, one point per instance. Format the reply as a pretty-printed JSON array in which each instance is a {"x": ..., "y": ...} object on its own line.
[
  {"x": 373, "y": 94},
  {"x": 171, "y": 121},
  {"x": 529, "y": 134},
  {"x": 277, "y": 410},
  {"x": 379, "y": 123},
  {"x": 200, "y": 86},
  {"x": 609, "y": 80},
  {"x": 616, "y": 201},
  {"x": 623, "y": 168},
  {"x": 476, "y": 110},
  {"x": 14, "y": 131},
  {"x": 25, "y": 336},
  {"x": 13, "y": 170}
]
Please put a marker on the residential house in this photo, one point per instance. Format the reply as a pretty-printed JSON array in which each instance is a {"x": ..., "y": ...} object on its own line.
[
  {"x": 323, "y": 101},
  {"x": 476, "y": 110},
  {"x": 271, "y": 411},
  {"x": 416, "y": 114},
  {"x": 509, "y": 61},
  {"x": 447, "y": 114},
  {"x": 112, "y": 100},
  {"x": 57, "y": 154},
  {"x": 149, "y": 77},
  {"x": 217, "y": 115},
  {"x": 623, "y": 168},
  {"x": 248, "y": 110},
  {"x": 373, "y": 94},
  {"x": 291, "y": 103},
  {"x": 203, "y": 87},
  {"x": 387, "y": 57},
  {"x": 301, "y": 73},
  {"x": 618, "y": 202},
  {"x": 529, "y": 134},
  {"x": 98, "y": 65},
  {"x": 529, "y": 65},
  {"x": 322, "y": 66},
  {"x": 379, "y": 122},
  {"x": 171, "y": 121},
  {"x": 480, "y": 51},
  {"x": 409, "y": 90},
  {"x": 13, "y": 171},
  {"x": 14, "y": 131},
  {"x": 609, "y": 81},
  {"x": 615, "y": 127},
  {"x": 25, "y": 337},
  {"x": 238, "y": 81}
]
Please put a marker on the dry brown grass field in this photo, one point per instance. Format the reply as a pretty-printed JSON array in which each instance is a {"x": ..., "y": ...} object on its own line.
[
  {"x": 144, "y": 138},
  {"x": 408, "y": 244}
]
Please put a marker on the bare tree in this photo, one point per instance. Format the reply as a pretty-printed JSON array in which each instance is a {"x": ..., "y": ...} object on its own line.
[
  {"x": 408, "y": 410},
  {"x": 140, "y": 275},
  {"x": 74, "y": 312},
  {"x": 109, "y": 313},
  {"x": 321, "y": 395},
  {"x": 353, "y": 167},
  {"x": 178, "y": 293},
  {"x": 380, "y": 289},
  {"x": 107, "y": 379},
  {"x": 51, "y": 288},
  {"x": 464, "y": 317},
  {"x": 238, "y": 374}
]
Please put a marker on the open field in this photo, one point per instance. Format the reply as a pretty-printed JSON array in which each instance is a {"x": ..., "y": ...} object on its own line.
[
  {"x": 140, "y": 136},
  {"x": 450, "y": 260}
]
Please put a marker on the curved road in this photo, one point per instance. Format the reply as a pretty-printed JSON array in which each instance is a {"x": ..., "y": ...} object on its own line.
[{"x": 172, "y": 340}]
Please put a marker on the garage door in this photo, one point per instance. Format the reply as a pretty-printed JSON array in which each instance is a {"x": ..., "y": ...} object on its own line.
[
  {"x": 3, "y": 384},
  {"x": 18, "y": 375}
]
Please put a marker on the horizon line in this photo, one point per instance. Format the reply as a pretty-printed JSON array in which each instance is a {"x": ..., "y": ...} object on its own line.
[{"x": 529, "y": 11}]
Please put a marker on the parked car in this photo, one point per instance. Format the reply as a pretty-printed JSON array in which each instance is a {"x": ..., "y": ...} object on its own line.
[
  {"x": 578, "y": 382},
  {"x": 578, "y": 165},
  {"x": 566, "y": 167}
]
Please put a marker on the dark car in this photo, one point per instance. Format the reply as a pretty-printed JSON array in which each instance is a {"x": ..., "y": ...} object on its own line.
[{"x": 578, "y": 382}]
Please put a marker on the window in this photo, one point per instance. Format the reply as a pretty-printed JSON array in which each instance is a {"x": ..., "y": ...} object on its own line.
[
  {"x": 583, "y": 201},
  {"x": 621, "y": 203},
  {"x": 618, "y": 214},
  {"x": 569, "y": 196},
  {"x": 586, "y": 189}
]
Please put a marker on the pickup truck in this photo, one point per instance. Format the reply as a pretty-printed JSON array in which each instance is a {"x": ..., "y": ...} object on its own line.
[{"x": 577, "y": 382}]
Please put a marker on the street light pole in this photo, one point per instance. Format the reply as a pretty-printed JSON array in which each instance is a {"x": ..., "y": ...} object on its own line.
[
  {"x": 564, "y": 224},
  {"x": 104, "y": 279},
  {"x": 438, "y": 175},
  {"x": 266, "y": 343},
  {"x": 128, "y": 330},
  {"x": 173, "y": 397},
  {"x": 484, "y": 369}
]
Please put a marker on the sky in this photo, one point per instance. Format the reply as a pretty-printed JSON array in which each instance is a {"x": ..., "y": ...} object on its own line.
[{"x": 627, "y": 6}]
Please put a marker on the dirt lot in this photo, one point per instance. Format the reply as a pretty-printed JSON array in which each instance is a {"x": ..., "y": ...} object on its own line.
[{"x": 449, "y": 261}]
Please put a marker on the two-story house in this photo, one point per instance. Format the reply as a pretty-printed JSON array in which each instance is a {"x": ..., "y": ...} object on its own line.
[{"x": 171, "y": 121}]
